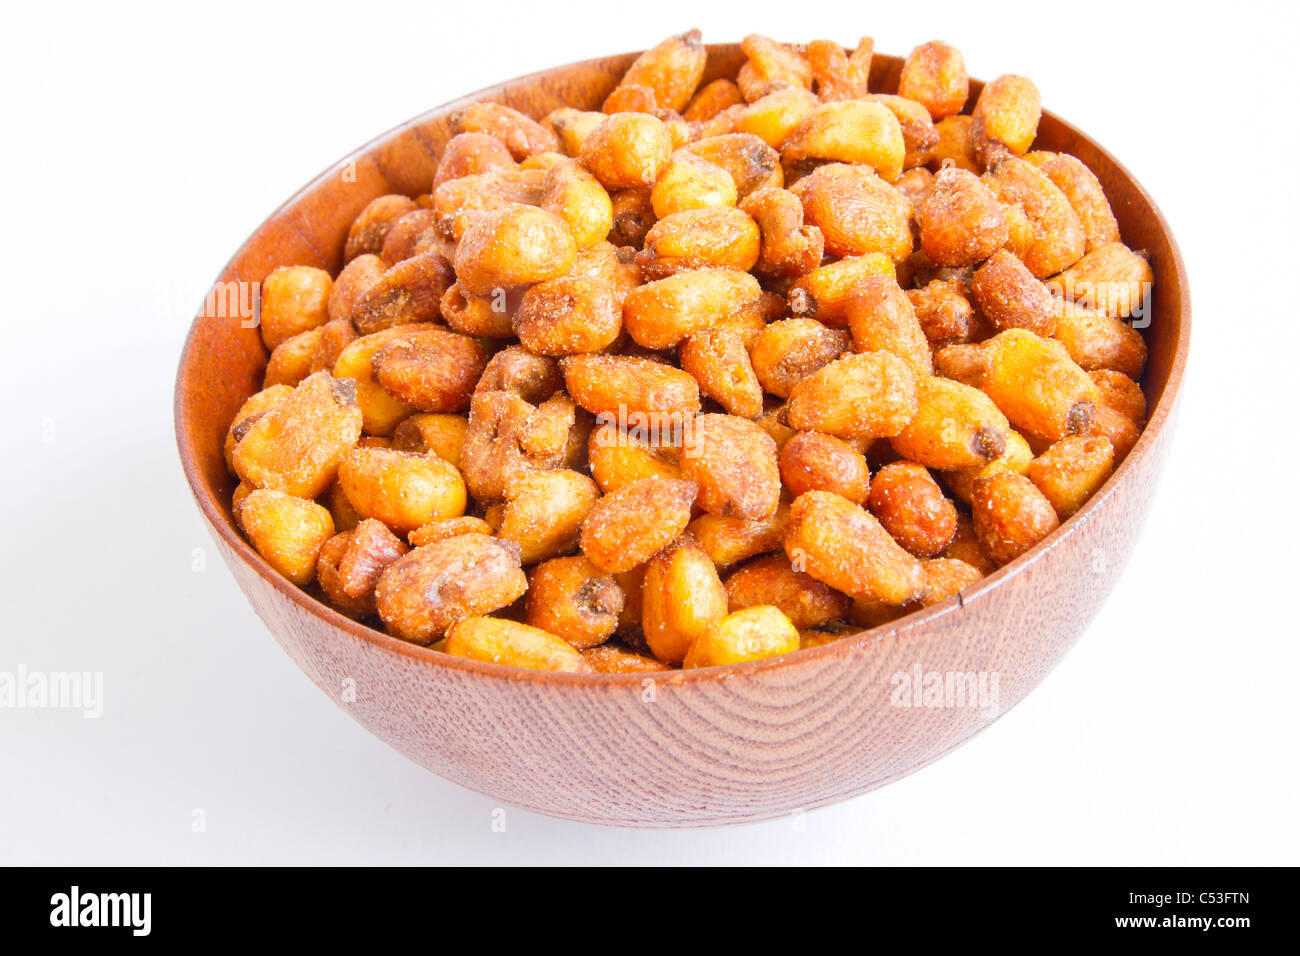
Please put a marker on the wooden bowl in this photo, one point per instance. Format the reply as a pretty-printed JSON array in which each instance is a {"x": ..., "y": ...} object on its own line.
[{"x": 692, "y": 748}]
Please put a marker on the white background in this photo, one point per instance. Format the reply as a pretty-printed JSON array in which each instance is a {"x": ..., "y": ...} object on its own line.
[{"x": 142, "y": 147}]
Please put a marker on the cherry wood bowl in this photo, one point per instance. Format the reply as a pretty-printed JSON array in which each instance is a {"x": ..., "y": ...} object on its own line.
[{"x": 692, "y": 748}]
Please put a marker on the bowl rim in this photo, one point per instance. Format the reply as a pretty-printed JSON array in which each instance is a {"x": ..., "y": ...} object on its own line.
[{"x": 218, "y": 519}]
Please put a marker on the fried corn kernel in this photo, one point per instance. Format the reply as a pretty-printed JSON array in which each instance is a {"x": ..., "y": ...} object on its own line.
[
  {"x": 294, "y": 299},
  {"x": 659, "y": 314},
  {"x": 750, "y": 162},
  {"x": 380, "y": 411},
  {"x": 1005, "y": 118},
  {"x": 415, "y": 234},
  {"x": 955, "y": 426},
  {"x": 634, "y": 214},
  {"x": 627, "y": 150},
  {"x": 458, "y": 202},
  {"x": 253, "y": 408},
  {"x": 423, "y": 593},
  {"x": 512, "y": 247},
  {"x": 404, "y": 490},
  {"x": 961, "y": 220},
  {"x": 934, "y": 74},
  {"x": 286, "y": 530},
  {"x": 691, "y": 182},
  {"x": 1010, "y": 514},
  {"x": 327, "y": 561},
  {"x": 610, "y": 264},
  {"x": 573, "y": 126},
  {"x": 945, "y": 577},
  {"x": 630, "y": 99},
  {"x": 718, "y": 237},
  {"x": 568, "y": 315},
  {"x": 544, "y": 511},
  {"x": 961, "y": 363},
  {"x": 1072, "y": 470},
  {"x": 733, "y": 462},
  {"x": 1122, "y": 393},
  {"x": 912, "y": 507},
  {"x": 1063, "y": 400},
  {"x": 430, "y": 369},
  {"x": 629, "y": 526},
  {"x": 442, "y": 434},
  {"x": 1083, "y": 190},
  {"x": 671, "y": 69},
  {"x": 811, "y": 461},
  {"x": 1111, "y": 279},
  {"x": 522, "y": 136},
  {"x": 920, "y": 138},
  {"x": 500, "y": 641},
  {"x": 681, "y": 597},
  {"x": 352, "y": 282},
  {"x": 614, "y": 659},
  {"x": 945, "y": 313},
  {"x": 914, "y": 184},
  {"x": 790, "y": 350},
  {"x": 345, "y": 516},
  {"x": 1015, "y": 457},
  {"x": 771, "y": 66},
  {"x": 728, "y": 540},
  {"x": 481, "y": 316},
  {"x": 1096, "y": 341},
  {"x": 837, "y": 75},
  {"x": 866, "y": 395},
  {"x": 618, "y": 459},
  {"x": 823, "y": 293},
  {"x": 712, "y": 99},
  {"x": 296, "y": 446},
  {"x": 789, "y": 246},
  {"x": 717, "y": 360},
  {"x": 1011, "y": 298},
  {"x": 534, "y": 378},
  {"x": 470, "y": 154},
  {"x": 1120, "y": 430},
  {"x": 774, "y": 117},
  {"x": 335, "y": 336},
  {"x": 1051, "y": 236},
  {"x": 407, "y": 293},
  {"x": 849, "y": 131},
  {"x": 954, "y": 146},
  {"x": 965, "y": 546},
  {"x": 772, "y": 581},
  {"x": 857, "y": 211},
  {"x": 620, "y": 385},
  {"x": 509, "y": 436},
  {"x": 574, "y": 600},
  {"x": 882, "y": 319},
  {"x": 367, "y": 232},
  {"x": 441, "y": 529},
  {"x": 748, "y": 635},
  {"x": 292, "y": 359},
  {"x": 751, "y": 317},
  {"x": 351, "y": 562},
  {"x": 844, "y": 546},
  {"x": 579, "y": 200}
]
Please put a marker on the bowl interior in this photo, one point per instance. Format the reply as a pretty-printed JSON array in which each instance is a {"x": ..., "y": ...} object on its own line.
[{"x": 224, "y": 360}]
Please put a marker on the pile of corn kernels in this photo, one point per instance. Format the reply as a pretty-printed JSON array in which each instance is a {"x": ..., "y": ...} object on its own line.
[{"x": 724, "y": 370}]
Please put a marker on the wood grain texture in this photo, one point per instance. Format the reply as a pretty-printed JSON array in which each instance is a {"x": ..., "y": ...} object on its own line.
[{"x": 697, "y": 748}]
